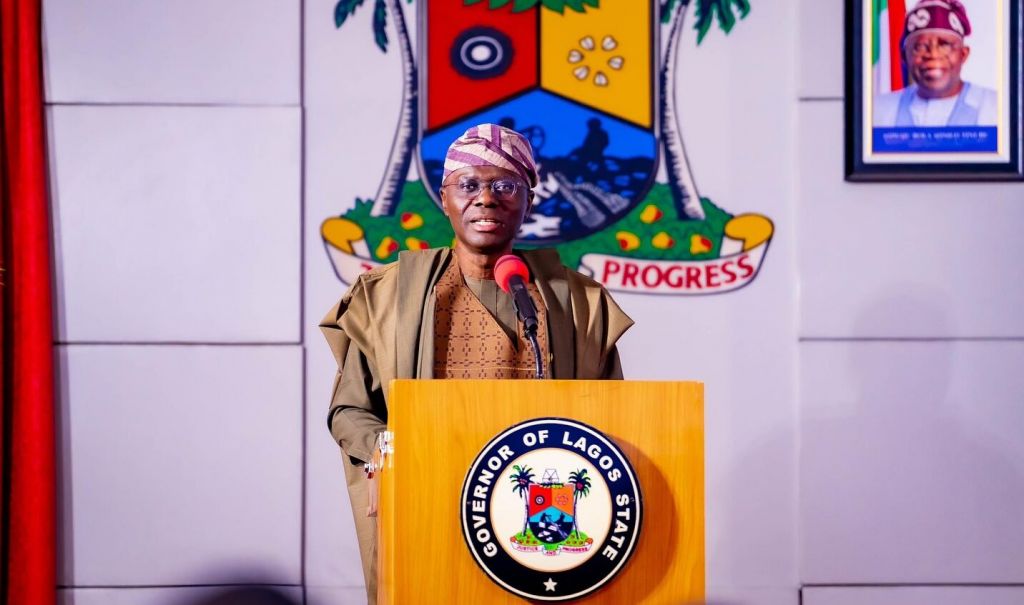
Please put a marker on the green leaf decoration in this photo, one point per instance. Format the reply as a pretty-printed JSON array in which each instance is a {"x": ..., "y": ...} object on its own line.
[
  {"x": 436, "y": 230},
  {"x": 523, "y": 5},
  {"x": 580, "y": 483},
  {"x": 343, "y": 9},
  {"x": 704, "y": 18},
  {"x": 555, "y": 5},
  {"x": 497, "y": 3},
  {"x": 594, "y": 3},
  {"x": 679, "y": 229},
  {"x": 380, "y": 21},
  {"x": 665, "y": 10},
  {"x": 708, "y": 10},
  {"x": 468, "y": 2},
  {"x": 576, "y": 5}
]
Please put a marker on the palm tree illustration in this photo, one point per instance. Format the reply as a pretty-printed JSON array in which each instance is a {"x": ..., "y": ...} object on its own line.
[
  {"x": 672, "y": 12},
  {"x": 390, "y": 189},
  {"x": 521, "y": 480},
  {"x": 580, "y": 489}
]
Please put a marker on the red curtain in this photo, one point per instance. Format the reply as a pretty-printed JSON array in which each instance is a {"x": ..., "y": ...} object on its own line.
[{"x": 27, "y": 491}]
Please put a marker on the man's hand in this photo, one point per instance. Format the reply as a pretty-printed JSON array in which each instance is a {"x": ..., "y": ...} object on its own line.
[
  {"x": 374, "y": 466},
  {"x": 372, "y": 493}
]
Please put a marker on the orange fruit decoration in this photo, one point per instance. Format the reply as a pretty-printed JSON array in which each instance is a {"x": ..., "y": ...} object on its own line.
[
  {"x": 751, "y": 229},
  {"x": 413, "y": 243},
  {"x": 411, "y": 220},
  {"x": 651, "y": 214},
  {"x": 699, "y": 244},
  {"x": 663, "y": 241},
  {"x": 387, "y": 246},
  {"x": 341, "y": 233},
  {"x": 627, "y": 241}
]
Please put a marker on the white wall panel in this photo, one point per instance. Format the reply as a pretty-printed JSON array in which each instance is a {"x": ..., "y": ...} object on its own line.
[
  {"x": 180, "y": 465},
  {"x": 176, "y": 224},
  {"x": 335, "y": 596},
  {"x": 912, "y": 462},
  {"x": 185, "y": 51},
  {"x": 915, "y": 595},
  {"x": 737, "y": 595},
  {"x": 740, "y": 344},
  {"x": 902, "y": 259},
  {"x": 332, "y": 554},
  {"x": 182, "y": 595},
  {"x": 345, "y": 102},
  {"x": 820, "y": 59}
]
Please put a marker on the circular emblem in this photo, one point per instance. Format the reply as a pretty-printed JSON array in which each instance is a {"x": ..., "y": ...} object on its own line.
[
  {"x": 481, "y": 52},
  {"x": 551, "y": 509}
]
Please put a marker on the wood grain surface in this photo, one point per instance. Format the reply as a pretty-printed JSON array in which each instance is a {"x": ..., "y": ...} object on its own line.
[{"x": 441, "y": 425}]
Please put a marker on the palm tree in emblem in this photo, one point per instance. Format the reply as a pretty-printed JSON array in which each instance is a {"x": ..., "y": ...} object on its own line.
[
  {"x": 521, "y": 480},
  {"x": 390, "y": 189},
  {"x": 580, "y": 489},
  {"x": 680, "y": 177}
]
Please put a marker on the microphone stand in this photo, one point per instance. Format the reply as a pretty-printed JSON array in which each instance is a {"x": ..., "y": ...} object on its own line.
[
  {"x": 532, "y": 336},
  {"x": 528, "y": 316}
]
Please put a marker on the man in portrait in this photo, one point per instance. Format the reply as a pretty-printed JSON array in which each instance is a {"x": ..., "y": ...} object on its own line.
[{"x": 934, "y": 52}]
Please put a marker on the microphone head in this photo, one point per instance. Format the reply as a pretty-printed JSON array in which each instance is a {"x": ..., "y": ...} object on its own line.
[{"x": 506, "y": 268}]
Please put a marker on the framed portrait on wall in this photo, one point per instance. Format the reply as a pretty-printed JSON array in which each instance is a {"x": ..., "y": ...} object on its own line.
[{"x": 933, "y": 90}]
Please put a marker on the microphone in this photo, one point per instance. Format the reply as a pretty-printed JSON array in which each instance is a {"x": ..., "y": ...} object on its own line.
[{"x": 511, "y": 274}]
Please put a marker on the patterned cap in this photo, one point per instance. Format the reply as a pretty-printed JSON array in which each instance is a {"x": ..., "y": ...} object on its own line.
[
  {"x": 492, "y": 145},
  {"x": 937, "y": 15}
]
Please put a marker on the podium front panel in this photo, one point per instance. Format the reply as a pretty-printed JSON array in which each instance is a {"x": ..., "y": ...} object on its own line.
[{"x": 440, "y": 429}]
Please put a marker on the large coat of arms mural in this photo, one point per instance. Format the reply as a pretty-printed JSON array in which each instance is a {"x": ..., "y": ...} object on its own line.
[{"x": 592, "y": 85}]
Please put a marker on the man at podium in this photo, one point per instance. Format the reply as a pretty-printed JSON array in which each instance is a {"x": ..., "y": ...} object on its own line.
[{"x": 440, "y": 313}]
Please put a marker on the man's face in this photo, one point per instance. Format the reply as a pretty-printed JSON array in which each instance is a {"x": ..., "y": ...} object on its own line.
[
  {"x": 935, "y": 59},
  {"x": 485, "y": 222}
]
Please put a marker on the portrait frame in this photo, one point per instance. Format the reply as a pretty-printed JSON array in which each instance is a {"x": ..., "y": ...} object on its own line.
[{"x": 877, "y": 75}]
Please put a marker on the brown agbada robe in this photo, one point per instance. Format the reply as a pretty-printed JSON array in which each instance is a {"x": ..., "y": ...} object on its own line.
[{"x": 384, "y": 328}]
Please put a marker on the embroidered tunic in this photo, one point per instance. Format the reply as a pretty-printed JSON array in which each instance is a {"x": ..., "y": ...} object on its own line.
[{"x": 468, "y": 340}]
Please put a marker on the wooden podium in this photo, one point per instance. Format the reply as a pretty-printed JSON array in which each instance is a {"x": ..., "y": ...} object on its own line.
[{"x": 440, "y": 427}]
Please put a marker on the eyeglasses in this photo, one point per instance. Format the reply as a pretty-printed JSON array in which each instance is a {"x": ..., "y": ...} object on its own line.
[
  {"x": 502, "y": 189},
  {"x": 939, "y": 48}
]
